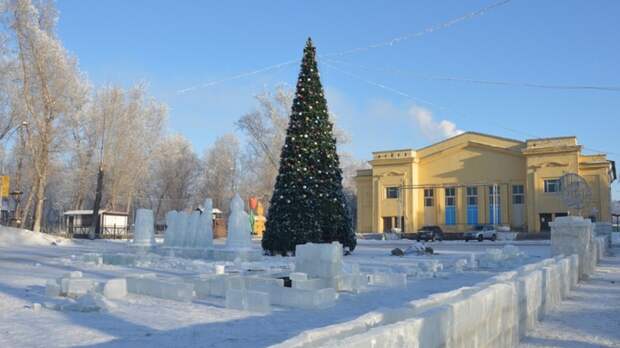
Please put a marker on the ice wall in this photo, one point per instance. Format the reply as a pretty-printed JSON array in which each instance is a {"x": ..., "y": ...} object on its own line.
[
  {"x": 319, "y": 260},
  {"x": 494, "y": 313},
  {"x": 573, "y": 235},
  {"x": 144, "y": 233},
  {"x": 190, "y": 230}
]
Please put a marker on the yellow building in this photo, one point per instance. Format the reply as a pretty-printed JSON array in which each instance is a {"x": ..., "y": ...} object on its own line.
[{"x": 477, "y": 178}]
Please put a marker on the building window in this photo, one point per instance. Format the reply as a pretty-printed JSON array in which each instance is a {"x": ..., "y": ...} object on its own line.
[
  {"x": 495, "y": 213},
  {"x": 472, "y": 196},
  {"x": 450, "y": 196},
  {"x": 472, "y": 205},
  {"x": 428, "y": 198},
  {"x": 552, "y": 186},
  {"x": 391, "y": 192},
  {"x": 517, "y": 194},
  {"x": 450, "y": 206}
]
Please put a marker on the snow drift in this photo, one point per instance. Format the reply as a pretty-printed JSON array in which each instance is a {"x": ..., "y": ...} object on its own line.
[{"x": 10, "y": 236}]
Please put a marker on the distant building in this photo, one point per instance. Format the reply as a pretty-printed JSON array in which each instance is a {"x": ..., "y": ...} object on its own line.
[{"x": 477, "y": 178}]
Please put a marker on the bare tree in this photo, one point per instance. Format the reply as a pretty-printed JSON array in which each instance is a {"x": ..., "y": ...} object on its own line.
[
  {"x": 8, "y": 70},
  {"x": 174, "y": 170},
  {"x": 265, "y": 128},
  {"x": 51, "y": 88},
  {"x": 84, "y": 134},
  {"x": 221, "y": 171},
  {"x": 134, "y": 123}
]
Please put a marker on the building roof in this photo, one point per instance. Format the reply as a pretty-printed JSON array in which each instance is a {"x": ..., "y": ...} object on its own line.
[
  {"x": 553, "y": 138},
  {"x": 470, "y": 133},
  {"x": 90, "y": 212},
  {"x": 479, "y": 134},
  {"x": 388, "y": 151}
]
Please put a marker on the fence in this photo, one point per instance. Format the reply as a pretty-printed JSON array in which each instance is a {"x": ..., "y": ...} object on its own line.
[{"x": 107, "y": 232}]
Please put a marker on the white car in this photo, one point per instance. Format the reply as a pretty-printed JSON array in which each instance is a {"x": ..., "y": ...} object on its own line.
[{"x": 481, "y": 232}]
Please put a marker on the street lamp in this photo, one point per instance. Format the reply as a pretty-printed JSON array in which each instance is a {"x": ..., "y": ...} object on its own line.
[{"x": 16, "y": 220}]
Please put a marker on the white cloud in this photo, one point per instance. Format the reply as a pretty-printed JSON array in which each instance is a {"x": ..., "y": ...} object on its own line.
[{"x": 431, "y": 129}]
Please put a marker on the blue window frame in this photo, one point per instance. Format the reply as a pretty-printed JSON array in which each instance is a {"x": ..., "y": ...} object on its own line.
[
  {"x": 450, "y": 206},
  {"x": 472, "y": 205},
  {"x": 472, "y": 215},
  {"x": 495, "y": 211}
]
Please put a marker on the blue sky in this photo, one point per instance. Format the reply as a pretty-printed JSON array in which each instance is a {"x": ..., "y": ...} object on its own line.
[{"x": 174, "y": 45}]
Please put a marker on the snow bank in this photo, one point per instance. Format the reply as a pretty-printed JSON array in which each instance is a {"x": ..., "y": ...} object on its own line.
[
  {"x": 493, "y": 313},
  {"x": 10, "y": 236}
]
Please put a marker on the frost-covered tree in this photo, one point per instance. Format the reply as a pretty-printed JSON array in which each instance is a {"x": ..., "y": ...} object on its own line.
[
  {"x": 8, "y": 71},
  {"x": 59, "y": 125},
  {"x": 51, "y": 87},
  {"x": 173, "y": 174},
  {"x": 265, "y": 129},
  {"x": 308, "y": 203},
  {"x": 134, "y": 124},
  {"x": 220, "y": 171}
]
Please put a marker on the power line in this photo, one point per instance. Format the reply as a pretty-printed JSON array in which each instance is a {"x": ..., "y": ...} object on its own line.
[
  {"x": 388, "y": 43},
  {"x": 236, "y": 77},
  {"x": 400, "y": 72},
  {"x": 379, "y": 85},
  {"x": 428, "y": 30},
  {"x": 419, "y": 100}
]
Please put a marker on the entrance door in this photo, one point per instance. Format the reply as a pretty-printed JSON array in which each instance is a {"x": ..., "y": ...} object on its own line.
[
  {"x": 518, "y": 215},
  {"x": 387, "y": 224},
  {"x": 545, "y": 219}
]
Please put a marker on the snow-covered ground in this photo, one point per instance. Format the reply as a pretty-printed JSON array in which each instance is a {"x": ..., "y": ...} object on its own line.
[{"x": 27, "y": 262}]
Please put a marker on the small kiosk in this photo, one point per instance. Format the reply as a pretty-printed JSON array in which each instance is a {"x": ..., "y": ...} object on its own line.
[{"x": 114, "y": 225}]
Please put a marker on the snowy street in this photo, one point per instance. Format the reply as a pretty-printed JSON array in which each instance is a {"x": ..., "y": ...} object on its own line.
[{"x": 590, "y": 317}]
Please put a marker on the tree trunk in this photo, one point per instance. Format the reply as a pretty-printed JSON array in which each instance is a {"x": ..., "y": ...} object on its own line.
[
  {"x": 25, "y": 211},
  {"x": 41, "y": 168},
  {"x": 96, "y": 230},
  {"x": 129, "y": 198},
  {"x": 40, "y": 200}
]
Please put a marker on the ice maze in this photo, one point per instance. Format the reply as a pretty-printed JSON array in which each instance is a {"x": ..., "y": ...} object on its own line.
[{"x": 493, "y": 313}]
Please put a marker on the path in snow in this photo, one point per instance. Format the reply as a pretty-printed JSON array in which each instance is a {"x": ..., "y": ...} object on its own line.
[{"x": 590, "y": 317}]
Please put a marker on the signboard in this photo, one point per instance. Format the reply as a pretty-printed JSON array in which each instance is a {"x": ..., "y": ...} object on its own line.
[{"x": 4, "y": 186}]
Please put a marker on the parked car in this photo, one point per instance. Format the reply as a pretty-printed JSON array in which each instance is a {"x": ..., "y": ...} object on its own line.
[
  {"x": 481, "y": 232},
  {"x": 430, "y": 233}
]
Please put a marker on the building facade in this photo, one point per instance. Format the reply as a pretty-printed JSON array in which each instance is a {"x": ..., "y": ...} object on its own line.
[{"x": 476, "y": 178}]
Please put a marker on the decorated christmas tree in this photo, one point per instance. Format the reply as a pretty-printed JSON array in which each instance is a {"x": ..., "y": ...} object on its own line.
[{"x": 308, "y": 204}]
